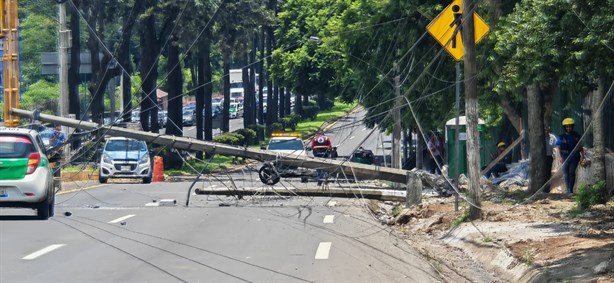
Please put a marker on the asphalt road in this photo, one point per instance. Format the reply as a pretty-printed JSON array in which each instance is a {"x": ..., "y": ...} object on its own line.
[
  {"x": 119, "y": 232},
  {"x": 349, "y": 133}
]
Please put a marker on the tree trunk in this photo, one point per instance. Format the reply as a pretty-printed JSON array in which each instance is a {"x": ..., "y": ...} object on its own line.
[
  {"x": 261, "y": 117},
  {"x": 537, "y": 142},
  {"x": 288, "y": 102},
  {"x": 208, "y": 87},
  {"x": 175, "y": 87},
  {"x": 271, "y": 111},
  {"x": 598, "y": 161},
  {"x": 471, "y": 110},
  {"x": 298, "y": 104},
  {"x": 226, "y": 78},
  {"x": 282, "y": 102},
  {"x": 548, "y": 95},
  {"x": 200, "y": 100},
  {"x": 148, "y": 69},
  {"x": 248, "y": 91},
  {"x": 510, "y": 112},
  {"x": 252, "y": 79}
]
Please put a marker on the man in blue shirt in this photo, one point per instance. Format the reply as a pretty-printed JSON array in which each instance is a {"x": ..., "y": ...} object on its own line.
[
  {"x": 570, "y": 152},
  {"x": 58, "y": 138}
]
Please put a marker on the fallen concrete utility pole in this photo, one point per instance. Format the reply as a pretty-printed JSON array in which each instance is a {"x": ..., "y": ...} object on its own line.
[
  {"x": 360, "y": 171},
  {"x": 332, "y": 192}
]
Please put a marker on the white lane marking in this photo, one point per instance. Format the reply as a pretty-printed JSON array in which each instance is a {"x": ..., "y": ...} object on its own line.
[
  {"x": 329, "y": 219},
  {"x": 43, "y": 251},
  {"x": 152, "y": 204},
  {"x": 352, "y": 137},
  {"x": 364, "y": 129},
  {"x": 120, "y": 219},
  {"x": 323, "y": 250}
]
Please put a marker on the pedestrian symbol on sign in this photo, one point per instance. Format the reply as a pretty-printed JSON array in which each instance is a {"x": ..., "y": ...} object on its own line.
[
  {"x": 457, "y": 22},
  {"x": 446, "y": 28}
]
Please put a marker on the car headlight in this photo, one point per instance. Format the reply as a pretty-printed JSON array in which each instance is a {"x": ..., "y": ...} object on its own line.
[
  {"x": 106, "y": 159},
  {"x": 144, "y": 159}
]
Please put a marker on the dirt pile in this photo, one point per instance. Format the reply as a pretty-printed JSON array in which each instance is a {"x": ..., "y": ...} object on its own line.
[{"x": 545, "y": 240}]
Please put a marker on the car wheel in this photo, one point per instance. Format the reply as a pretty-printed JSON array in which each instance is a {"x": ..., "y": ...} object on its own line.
[
  {"x": 102, "y": 180},
  {"x": 52, "y": 206},
  {"x": 147, "y": 180},
  {"x": 268, "y": 175},
  {"x": 43, "y": 209}
]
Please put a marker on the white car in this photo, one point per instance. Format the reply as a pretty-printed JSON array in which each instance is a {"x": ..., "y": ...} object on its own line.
[
  {"x": 125, "y": 158},
  {"x": 26, "y": 176},
  {"x": 283, "y": 144}
]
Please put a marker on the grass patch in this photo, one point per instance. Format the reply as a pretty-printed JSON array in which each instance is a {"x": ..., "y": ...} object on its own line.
[
  {"x": 487, "y": 239},
  {"x": 194, "y": 166},
  {"x": 397, "y": 210},
  {"x": 308, "y": 127},
  {"x": 74, "y": 169},
  {"x": 460, "y": 219}
]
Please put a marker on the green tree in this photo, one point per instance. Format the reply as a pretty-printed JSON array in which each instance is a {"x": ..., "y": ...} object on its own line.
[
  {"x": 38, "y": 34},
  {"x": 42, "y": 95}
]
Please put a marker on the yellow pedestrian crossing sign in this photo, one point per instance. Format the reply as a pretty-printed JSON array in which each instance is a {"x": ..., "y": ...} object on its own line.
[{"x": 446, "y": 29}]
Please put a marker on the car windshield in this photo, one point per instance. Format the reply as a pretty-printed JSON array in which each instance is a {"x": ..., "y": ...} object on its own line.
[
  {"x": 293, "y": 144},
  {"x": 12, "y": 146},
  {"x": 125, "y": 145}
]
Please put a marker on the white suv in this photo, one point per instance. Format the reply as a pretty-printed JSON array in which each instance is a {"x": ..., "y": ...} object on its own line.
[{"x": 125, "y": 158}]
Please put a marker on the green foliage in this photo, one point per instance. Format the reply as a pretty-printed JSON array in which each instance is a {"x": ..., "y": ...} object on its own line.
[
  {"x": 460, "y": 219},
  {"x": 310, "y": 112},
  {"x": 249, "y": 136},
  {"x": 397, "y": 210},
  {"x": 38, "y": 34},
  {"x": 231, "y": 138},
  {"x": 589, "y": 195},
  {"x": 275, "y": 127},
  {"x": 41, "y": 95}
]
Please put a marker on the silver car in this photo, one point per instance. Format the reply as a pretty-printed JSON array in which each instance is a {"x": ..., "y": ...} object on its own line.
[
  {"x": 125, "y": 158},
  {"x": 26, "y": 176}
]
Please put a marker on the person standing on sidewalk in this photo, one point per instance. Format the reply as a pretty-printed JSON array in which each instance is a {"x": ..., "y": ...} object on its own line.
[
  {"x": 435, "y": 147},
  {"x": 570, "y": 152},
  {"x": 550, "y": 146}
]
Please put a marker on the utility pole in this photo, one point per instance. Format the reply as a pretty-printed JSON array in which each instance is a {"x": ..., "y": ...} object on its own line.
[
  {"x": 471, "y": 110},
  {"x": 64, "y": 45},
  {"x": 63, "y": 53},
  {"x": 396, "y": 116}
]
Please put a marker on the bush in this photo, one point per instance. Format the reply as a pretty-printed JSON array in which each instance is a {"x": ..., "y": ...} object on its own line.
[
  {"x": 275, "y": 127},
  {"x": 229, "y": 138},
  {"x": 589, "y": 195},
  {"x": 288, "y": 123},
  {"x": 295, "y": 118},
  {"x": 249, "y": 136},
  {"x": 310, "y": 112}
]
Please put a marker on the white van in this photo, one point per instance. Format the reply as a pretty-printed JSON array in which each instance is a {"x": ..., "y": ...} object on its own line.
[{"x": 125, "y": 158}]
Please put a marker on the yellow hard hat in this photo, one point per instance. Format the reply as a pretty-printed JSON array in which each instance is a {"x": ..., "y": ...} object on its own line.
[
  {"x": 500, "y": 144},
  {"x": 568, "y": 121}
]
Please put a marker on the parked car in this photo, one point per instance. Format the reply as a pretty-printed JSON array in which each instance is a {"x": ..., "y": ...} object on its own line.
[
  {"x": 188, "y": 116},
  {"x": 235, "y": 110},
  {"x": 26, "y": 176},
  {"x": 136, "y": 115},
  {"x": 125, "y": 158},
  {"x": 162, "y": 118}
]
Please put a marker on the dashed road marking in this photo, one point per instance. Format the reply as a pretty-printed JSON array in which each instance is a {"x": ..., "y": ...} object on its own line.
[
  {"x": 323, "y": 250},
  {"x": 121, "y": 219},
  {"x": 352, "y": 137},
  {"x": 43, "y": 251},
  {"x": 329, "y": 219}
]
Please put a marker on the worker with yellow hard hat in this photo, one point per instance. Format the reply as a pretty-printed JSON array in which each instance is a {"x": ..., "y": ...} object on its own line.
[
  {"x": 570, "y": 151},
  {"x": 500, "y": 167}
]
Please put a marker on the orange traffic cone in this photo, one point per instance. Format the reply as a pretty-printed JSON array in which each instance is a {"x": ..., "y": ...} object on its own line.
[{"x": 158, "y": 169}]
